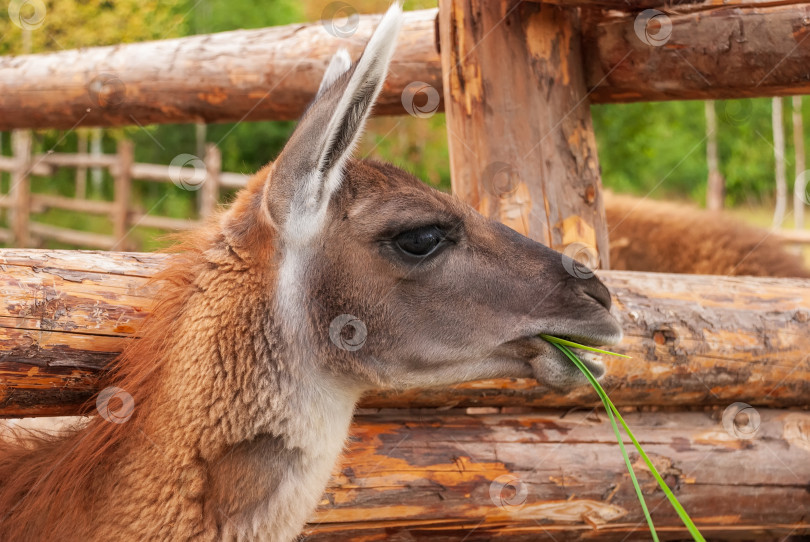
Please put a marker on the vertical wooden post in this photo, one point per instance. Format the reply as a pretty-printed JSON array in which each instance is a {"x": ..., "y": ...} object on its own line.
[
  {"x": 210, "y": 188},
  {"x": 779, "y": 159},
  {"x": 123, "y": 180},
  {"x": 522, "y": 147},
  {"x": 800, "y": 188},
  {"x": 81, "y": 171},
  {"x": 716, "y": 188},
  {"x": 21, "y": 186}
]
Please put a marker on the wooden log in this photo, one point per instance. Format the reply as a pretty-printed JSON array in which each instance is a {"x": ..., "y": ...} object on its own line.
[
  {"x": 522, "y": 147},
  {"x": 163, "y": 222},
  {"x": 64, "y": 159},
  {"x": 73, "y": 237},
  {"x": 713, "y": 54},
  {"x": 679, "y": 6},
  {"x": 426, "y": 475},
  {"x": 270, "y": 73},
  {"x": 40, "y": 202},
  {"x": 794, "y": 236},
  {"x": 714, "y": 51},
  {"x": 695, "y": 340}
]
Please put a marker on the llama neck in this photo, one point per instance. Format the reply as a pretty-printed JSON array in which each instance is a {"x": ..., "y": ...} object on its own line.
[
  {"x": 284, "y": 475},
  {"x": 269, "y": 450},
  {"x": 244, "y": 427}
]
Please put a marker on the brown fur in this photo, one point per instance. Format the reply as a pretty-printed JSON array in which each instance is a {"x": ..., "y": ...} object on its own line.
[
  {"x": 649, "y": 235},
  {"x": 54, "y": 485}
]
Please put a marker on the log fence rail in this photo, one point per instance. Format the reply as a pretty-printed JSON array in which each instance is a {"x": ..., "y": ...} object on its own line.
[{"x": 124, "y": 215}]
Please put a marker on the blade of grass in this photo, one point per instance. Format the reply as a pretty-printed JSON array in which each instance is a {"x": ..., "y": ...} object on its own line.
[
  {"x": 602, "y": 395},
  {"x": 563, "y": 344},
  {"x": 557, "y": 340}
]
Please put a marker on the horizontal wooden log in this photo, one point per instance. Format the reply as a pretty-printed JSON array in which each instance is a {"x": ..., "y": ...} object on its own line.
[
  {"x": 40, "y": 202},
  {"x": 679, "y": 6},
  {"x": 417, "y": 475},
  {"x": 76, "y": 237},
  {"x": 800, "y": 237},
  {"x": 712, "y": 52},
  {"x": 270, "y": 73},
  {"x": 695, "y": 340},
  {"x": 163, "y": 222}
]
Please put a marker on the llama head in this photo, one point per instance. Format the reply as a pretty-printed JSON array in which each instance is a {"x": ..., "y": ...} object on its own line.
[{"x": 385, "y": 281}]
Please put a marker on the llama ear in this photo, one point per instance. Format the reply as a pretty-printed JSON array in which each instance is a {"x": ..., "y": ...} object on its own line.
[
  {"x": 339, "y": 65},
  {"x": 310, "y": 168}
]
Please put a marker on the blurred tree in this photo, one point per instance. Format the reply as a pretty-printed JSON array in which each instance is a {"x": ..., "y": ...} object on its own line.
[{"x": 69, "y": 24}]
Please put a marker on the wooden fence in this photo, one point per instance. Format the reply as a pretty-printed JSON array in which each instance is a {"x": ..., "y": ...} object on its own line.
[
  {"x": 204, "y": 175},
  {"x": 428, "y": 474},
  {"x": 207, "y": 177}
]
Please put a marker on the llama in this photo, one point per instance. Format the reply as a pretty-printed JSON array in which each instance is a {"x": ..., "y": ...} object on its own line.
[
  {"x": 327, "y": 277},
  {"x": 647, "y": 235}
]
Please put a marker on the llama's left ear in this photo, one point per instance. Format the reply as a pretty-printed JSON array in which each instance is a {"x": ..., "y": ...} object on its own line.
[{"x": 310, "y": 168}]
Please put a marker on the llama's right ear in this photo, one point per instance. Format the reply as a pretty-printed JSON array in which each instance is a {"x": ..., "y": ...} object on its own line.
[{"x": 310, "y": 168}]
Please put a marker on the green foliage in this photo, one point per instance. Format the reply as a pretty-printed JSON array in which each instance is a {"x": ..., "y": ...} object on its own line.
[
  {"x": 660, "y": 148},
  {"x": 69, "y": 24}
]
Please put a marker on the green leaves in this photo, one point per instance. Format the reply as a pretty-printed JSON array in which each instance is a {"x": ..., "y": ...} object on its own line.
[{"x": 613, "y": 413}]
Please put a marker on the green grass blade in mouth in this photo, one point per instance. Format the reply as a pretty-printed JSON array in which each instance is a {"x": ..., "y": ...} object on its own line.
[
  {"x": 563, "y": 346},
  {"x": 557, "y": 340}
]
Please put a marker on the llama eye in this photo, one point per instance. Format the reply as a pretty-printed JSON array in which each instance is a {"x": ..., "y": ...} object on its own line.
[{"x": 420, "y": 242}]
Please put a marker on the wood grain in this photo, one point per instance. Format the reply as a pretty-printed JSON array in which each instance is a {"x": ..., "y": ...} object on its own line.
[
  {"x": 695, "y": 340},
  {"x": 270, "y": 73},
  {"x": 426, "y": 475},
  {"x": 522, "y": 147}
]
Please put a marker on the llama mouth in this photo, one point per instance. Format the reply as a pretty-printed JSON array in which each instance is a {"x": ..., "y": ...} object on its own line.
[{"x": 552, "y": 368}]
